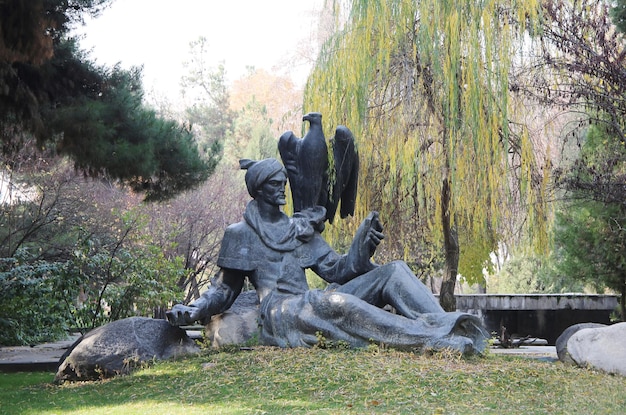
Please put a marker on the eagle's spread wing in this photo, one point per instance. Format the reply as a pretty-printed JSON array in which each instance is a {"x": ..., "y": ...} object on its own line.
[
  {"x": 346, "y": 172},
  {"x": 288, "y": 146}
]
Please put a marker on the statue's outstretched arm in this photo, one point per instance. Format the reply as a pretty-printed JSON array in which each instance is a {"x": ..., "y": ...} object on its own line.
[
  {"x": 224, "y": 289},
  {"x": 340, "y": 269}
]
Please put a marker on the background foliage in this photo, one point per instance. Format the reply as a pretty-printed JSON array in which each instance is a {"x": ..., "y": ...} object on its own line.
[
  {"x": 50, "y": 90},
  {"x": 428, "y": 98}
]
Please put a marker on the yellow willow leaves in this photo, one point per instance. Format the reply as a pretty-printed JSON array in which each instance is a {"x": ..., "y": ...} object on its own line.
[{"x": 424, "y": 87}]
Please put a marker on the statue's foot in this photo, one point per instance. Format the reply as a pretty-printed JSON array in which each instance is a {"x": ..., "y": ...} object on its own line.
[
  {"x": 467, "y": 337},
  {"x": 471, "y": 328},
  {"x": 455, "y": 342}
]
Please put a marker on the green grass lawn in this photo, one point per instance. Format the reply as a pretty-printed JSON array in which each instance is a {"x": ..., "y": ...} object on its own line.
[{"x": 316, "y": 381}]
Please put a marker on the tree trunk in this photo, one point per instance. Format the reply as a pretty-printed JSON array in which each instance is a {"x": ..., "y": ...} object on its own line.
[
  {"x": 452, "y": 252},
  {"x": 622, "y": 301}
]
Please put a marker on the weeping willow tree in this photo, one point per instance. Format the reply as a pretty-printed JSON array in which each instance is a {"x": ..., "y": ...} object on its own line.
[{"x": 424, "y": 87}]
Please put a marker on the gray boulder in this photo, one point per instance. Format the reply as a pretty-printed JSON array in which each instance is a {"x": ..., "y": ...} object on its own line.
[
  {"x": 600, "y": 348},
  {"x": 561, "y": 342},
  {"x": 118, "y": 347},
  {"x": 237, "y": 325}
]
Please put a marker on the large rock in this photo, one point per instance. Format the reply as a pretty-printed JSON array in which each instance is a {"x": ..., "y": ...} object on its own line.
[
  {"x": 238, "y": 325},
  {"x": 119, "y": 346},
  {"x": 561, "y": 341},
  {"x": 601, "y": 348}
]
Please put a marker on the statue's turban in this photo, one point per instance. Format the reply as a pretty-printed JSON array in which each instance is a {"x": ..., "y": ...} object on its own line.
[{"x": 257, "y": 172}]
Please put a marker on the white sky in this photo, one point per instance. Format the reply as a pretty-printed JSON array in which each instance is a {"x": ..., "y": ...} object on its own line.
[{"x": 157, "y": 33}]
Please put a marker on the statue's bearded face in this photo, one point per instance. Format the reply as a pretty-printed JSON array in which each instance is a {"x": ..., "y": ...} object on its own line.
[{"x": 273, "y": 189}]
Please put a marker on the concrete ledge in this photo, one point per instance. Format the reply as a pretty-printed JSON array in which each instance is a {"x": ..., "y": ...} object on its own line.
[
  {"x": 547, "y": 353},
  {"x": 40, "y": 358},
  {"x": 30, "y": 367},
  {"x": 537, "y": 315},
  {"x": 471, "y": 302}
]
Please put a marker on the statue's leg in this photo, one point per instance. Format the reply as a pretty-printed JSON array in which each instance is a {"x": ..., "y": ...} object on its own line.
[
  {"x": 396, "y": 285},
  {"x": 341, "y": 316}
]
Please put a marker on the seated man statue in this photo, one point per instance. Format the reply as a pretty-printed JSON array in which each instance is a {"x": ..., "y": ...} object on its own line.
[{"x": 273, "y": 251}]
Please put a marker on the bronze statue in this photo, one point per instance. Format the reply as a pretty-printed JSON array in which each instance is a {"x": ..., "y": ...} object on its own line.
[{"x": 273, "y": 251}]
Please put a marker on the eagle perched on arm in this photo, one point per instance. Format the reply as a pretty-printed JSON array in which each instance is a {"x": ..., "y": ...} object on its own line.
[{"x": 306, "y": 161}]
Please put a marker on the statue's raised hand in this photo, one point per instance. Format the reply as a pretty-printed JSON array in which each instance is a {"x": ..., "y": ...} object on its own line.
[
  {"x": 373, "y": 230},
  {"x": 182, "y": 315},
  {"x": 366, "y": 240}
]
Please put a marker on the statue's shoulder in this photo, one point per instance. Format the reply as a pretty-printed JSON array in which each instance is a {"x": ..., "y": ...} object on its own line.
[
  {"x": 237, "y": 228},
  {"x": 239, "y": 233},
  {"x": 239, "y": 247}
]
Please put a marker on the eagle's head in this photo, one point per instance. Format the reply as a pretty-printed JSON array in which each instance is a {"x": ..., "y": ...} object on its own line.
[{"x": 313, "y": 118}]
